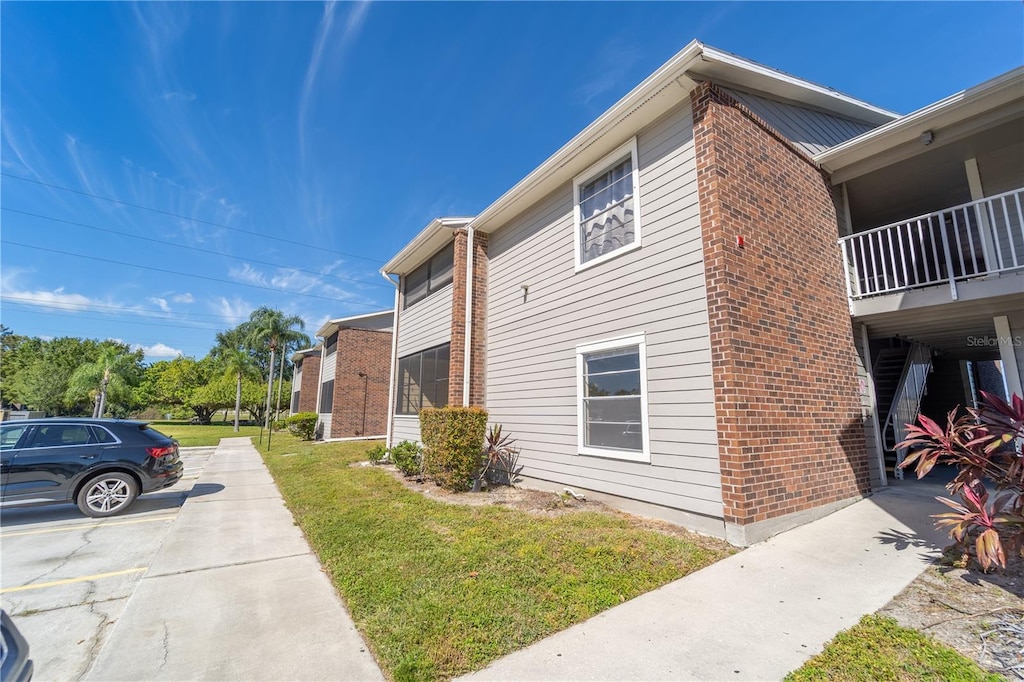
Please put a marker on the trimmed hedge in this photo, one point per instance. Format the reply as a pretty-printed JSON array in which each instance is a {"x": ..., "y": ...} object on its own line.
[
  {"x": 302, "y": 425},
  {"x": 453, "y": 441}
]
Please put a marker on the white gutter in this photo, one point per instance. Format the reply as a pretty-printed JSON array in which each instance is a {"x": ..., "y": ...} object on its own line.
[
  {"x": 466, "y": 364},
  {"x": 394, "y": 362},
  {"x": 320, "y": 379}
]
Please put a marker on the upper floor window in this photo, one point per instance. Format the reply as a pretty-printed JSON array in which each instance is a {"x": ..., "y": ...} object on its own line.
[
  {"x": 332, "y": 344},
  {"x": 431, "y": 276},
  {"x": 606, "y": 208}
]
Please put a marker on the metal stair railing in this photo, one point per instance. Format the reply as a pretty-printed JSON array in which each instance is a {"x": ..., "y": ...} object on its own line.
[{"x": 907, "y": 403}]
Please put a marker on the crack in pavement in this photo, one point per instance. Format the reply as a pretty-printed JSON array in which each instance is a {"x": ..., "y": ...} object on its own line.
[
  {"x": 86, "y": 541},
  {"x": 151, "y": 575}
]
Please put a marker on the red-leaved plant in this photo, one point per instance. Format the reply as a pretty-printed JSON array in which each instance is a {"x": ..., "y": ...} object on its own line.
[{"x": 982, "y": 444}]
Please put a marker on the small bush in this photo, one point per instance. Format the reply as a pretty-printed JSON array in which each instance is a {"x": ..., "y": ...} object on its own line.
[
  {"x": 281, "y": 424},
  {"x": 408, "y": 457},
  {"x": 500, "y": 464},
  {"x": 376, "y": 454},
  {"x": 302, "y": 425},
  {"x": 453, "y": 439}
]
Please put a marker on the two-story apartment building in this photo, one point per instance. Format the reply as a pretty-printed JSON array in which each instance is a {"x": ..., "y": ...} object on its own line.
[
  {"x": 680, "y": 308},
  {"x": 345, "y": 378}
]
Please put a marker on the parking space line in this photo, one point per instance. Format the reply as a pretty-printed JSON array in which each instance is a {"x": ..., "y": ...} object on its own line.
[
  {"x": 84, "y": 525},
  {"x": 68, "y": 581}
]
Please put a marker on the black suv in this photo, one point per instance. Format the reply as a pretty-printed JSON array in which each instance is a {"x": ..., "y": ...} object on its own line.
[{"x": 101, "y": 465}]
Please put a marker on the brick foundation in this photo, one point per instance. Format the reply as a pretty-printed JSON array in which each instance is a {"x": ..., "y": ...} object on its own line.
[
  {"x": 783, "y": 359},
  {"x": 360, "y": 403}
]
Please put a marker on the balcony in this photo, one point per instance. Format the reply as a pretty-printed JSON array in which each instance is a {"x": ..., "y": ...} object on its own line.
[{"x": 974, "y": 240}]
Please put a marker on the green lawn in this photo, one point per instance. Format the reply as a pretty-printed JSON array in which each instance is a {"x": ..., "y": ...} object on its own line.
[
  {"x": 879, "y": 649},
  {"x": 438, "y": 589},
  {"x": 192, "y": 435}
]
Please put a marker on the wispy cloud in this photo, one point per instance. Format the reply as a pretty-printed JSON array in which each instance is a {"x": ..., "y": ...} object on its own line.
[
  {"x": 178, "y": 96},
  {"x": 353, "y": 25},
  {"x": 183, "y": 298},
  {"x": 56, "y": 298},
  {"x": 160, "y": 303},
  {"x": 232, "y": 311},
  {"x": 249, "y": 274},
  {"x": 158, "y": 350},
  {"x": 611, "y": 63}
]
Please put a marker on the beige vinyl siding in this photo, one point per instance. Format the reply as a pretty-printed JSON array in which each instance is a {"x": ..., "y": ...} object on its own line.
[
  {"x": 406, "y": 427},
  {"x": 426, "y": 324},
  {"x": 658, "y": 290},
  {"x": 423, "y": 325},
  {"x": 811, "y": 130},
  {"x": 327, "y": 371}
]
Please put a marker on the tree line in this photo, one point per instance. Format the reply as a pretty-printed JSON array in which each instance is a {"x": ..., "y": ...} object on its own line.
[{"x": 69, "y": 376}]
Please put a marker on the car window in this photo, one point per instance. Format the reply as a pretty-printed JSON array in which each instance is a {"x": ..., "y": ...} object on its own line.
[
  {"x": 101, "y": 435},
  {"x": 152, "y": 434},
  {"x": 10, "y": 435},
  {"x": 60, "y": 435}
]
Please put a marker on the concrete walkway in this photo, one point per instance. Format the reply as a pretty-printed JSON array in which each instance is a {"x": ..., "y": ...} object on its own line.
[
  {"x": 234, "y": 593},
  {"x": 757, "y": 615}
]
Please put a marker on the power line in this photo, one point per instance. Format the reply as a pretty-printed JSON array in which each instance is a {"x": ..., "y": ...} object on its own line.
[
  {"x": 124, "y": 310},
  {"x": 185, "y": 217},
  {"x": 185, "y": 274},
  {"x": 190, "y": 248},
  {"x": 103, "y": 319}
]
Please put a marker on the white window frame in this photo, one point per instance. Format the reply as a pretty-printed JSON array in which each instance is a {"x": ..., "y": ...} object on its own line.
[
  {"x": 638, "y": 340},
  {"x": 602, "y": 166}
]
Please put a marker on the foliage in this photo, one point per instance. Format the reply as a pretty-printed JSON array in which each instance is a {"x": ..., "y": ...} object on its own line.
[
  {"x": 453, "y": 439},
  {"x": 107, "y": 380},
  {"x": 877, "y": 648},
  {"x": 275, "y": 330},
  {"x": 189, "y": 383},
  {"x": 981, "y": 444},
  {"x": 302, "y": 425},
  {"x": 408, "y": 457},
  {"x": 237, "y": 363},
  {"x": 501, "y": 458},
  {"x": 437, "y": 589},
  {"x": 376, "y": 454}
]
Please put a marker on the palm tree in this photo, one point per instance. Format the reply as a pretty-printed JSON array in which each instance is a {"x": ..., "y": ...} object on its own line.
[
  {"x": 112, "y": 371},
  {"x": 236, "y": 363},
  {"x": 273, "y": 327}
]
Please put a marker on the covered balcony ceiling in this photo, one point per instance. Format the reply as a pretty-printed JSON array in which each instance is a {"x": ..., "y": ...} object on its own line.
[
  {"x": 936, "y": 177},
  {"x": 958, "y": 329}
]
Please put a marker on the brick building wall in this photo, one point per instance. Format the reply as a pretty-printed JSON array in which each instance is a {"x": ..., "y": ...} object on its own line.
[
  {"x": 309, "y": 385},
  {"x": 456, "y": 370},
  {"x": 361, "y": 402},
  {"x": 784, "y": 366}
]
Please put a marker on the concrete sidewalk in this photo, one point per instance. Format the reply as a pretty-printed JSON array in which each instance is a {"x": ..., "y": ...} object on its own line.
[
  {"x": 234, "y": 593},
  {"x": 757, "y": 615}
]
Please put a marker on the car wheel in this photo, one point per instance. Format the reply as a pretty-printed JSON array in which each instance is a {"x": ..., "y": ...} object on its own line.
[{"x": 107, "y": 494}]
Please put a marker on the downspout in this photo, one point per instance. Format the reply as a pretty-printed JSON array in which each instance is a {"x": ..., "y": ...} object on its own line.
[
  {"x": 466, "y": 360},
  {"x": 394, "y": 361}
]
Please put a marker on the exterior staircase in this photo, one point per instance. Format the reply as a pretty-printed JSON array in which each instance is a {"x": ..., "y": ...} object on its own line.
[{"x": 900, "y": 373}]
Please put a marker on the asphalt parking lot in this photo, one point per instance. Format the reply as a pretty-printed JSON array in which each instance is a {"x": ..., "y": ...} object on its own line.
[{"x": 65, "y": 578}]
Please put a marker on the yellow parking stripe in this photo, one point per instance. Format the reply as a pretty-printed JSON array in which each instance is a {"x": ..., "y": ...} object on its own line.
[
  {"x": 84, "y": 525},
  {"x": 70, "y": 580}
]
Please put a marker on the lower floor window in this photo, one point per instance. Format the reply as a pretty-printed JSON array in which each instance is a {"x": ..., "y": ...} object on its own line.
[
  {"x": 327, "y": 397},
  {"x": 613, "y": 398},
  {"x": 423, "y": 380}
]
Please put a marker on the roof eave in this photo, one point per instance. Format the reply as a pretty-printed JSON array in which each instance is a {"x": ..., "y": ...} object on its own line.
[
  {"x": 330, "y": 326},
  {"x": 423, "y": 245},
  {"x": 959, "y": 106}
]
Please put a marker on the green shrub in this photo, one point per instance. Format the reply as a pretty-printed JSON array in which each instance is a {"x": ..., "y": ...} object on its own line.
[
  {"x": 408, "y": 457},
  {"x": 376, "y": 454},
  {"x": 453, "y": 440},
  {"x": 281, "y": 424},
  {"x": 302, "y": 425}
]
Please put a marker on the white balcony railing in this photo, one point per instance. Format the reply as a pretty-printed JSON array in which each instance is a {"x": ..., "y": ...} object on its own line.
[{"x": 980, "y": 238}]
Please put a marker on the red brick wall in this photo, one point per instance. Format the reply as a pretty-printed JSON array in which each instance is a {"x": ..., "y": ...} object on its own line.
[
  {"x": 456, "y": 371},
  {"x": 357, "y": 398},
  {"x": 309, "y": 386},
  {"x": 783, "y": 359}
]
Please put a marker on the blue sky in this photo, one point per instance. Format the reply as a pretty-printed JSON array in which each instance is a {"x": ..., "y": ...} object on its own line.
[{"x": 278, "y": 153}]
